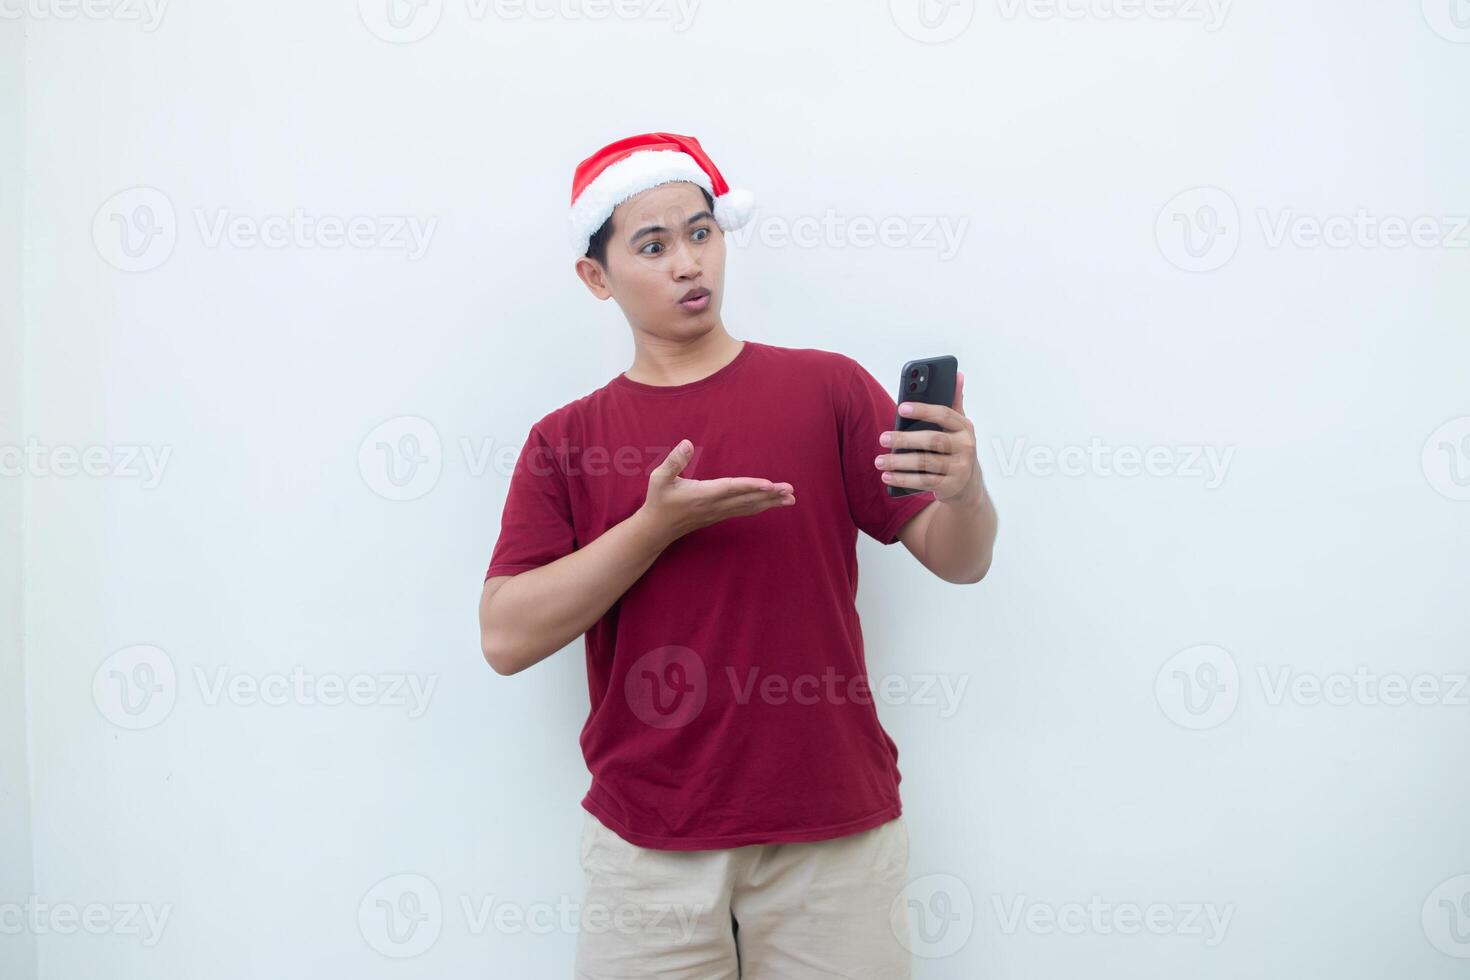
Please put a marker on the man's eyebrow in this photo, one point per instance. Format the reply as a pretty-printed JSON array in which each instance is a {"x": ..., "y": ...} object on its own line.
[{"x": 657, "y": 229}]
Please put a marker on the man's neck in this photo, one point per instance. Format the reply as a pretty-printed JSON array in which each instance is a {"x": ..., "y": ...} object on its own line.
[{"x": 666, "y": 363}]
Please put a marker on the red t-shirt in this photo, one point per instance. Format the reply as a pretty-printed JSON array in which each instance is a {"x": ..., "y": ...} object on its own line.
[{"x": 730, "y": 701}]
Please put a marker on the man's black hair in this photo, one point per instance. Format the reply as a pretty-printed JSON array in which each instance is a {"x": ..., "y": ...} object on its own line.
[{"x": 597, "y": 244}]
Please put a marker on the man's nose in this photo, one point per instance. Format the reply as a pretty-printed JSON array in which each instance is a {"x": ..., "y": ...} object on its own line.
[{"x": 686, "y": 262}]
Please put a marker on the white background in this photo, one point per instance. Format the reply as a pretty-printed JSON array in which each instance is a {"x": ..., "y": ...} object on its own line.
[{"x": 1084, "y": 763}]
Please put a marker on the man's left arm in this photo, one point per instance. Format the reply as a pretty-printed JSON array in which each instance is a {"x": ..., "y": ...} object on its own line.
[{"x": 954, "y": 537}]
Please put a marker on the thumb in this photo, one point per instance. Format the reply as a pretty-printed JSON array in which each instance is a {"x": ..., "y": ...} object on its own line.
[
  {"x": 959, "y": 393},
  {"x": 675, "y": 461}
]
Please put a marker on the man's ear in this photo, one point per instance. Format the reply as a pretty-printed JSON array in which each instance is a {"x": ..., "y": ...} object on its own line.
[{"x": 594, "y": 277}]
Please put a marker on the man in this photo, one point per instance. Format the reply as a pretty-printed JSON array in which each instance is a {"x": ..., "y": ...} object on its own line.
[{"x": 696, "y": 518}]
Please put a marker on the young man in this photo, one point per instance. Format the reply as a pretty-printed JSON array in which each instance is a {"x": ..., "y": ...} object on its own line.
[{"x": 696, "y": 518}]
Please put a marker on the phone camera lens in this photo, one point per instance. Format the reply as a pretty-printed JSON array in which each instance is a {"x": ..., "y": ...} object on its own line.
[{"x": 913, "y": 386}]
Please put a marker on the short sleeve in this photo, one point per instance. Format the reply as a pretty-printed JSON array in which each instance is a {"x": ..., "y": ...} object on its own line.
[
  {"x": 867, "y": 412},
  {"x": 536, "y": 525}
]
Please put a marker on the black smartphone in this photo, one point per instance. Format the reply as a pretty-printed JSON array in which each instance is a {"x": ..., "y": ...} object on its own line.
[{"x": 931, "y": 380}]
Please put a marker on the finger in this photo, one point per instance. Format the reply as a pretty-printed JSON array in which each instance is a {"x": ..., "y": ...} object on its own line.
[
  {"x": 750, "y": 503},
  {"x": 914, "y": 462},
  {"x": 926, "y": 439},
  {"x": 676, "y": 460},
  {"x": 757, "y": 506},
  {"x": 772, "y": 492},
  {"x": 760, "y": 500},
  {"x": 959, "y": 392},
  {"x": 942, "y": 415},
  {"x": 917, "y": 481},
  {"x": 730, "y": 485},
  {"x": 739, "y": 484},
  {"x": 753, "y": 503}
]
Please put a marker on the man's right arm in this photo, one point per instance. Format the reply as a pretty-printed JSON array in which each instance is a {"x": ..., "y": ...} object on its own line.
[{"x": 526, "y": 618}]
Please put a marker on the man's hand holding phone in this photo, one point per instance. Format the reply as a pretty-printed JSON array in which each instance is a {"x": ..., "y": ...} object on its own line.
[{"x": 943, "y": 460}]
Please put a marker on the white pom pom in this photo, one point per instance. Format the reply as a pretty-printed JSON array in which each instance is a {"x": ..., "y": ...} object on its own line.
[{"x": 734, "y": 209}]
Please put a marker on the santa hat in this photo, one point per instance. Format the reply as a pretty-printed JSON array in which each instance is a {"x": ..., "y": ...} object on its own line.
[{"x": 630, "y": 166}]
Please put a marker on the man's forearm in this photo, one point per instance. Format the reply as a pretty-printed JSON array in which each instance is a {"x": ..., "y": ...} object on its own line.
[
  {"x": 959, "y": 537},
  {"x": 536, "y": 613}
]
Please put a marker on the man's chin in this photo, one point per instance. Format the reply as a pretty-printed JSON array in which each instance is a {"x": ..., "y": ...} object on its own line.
[
  {"x": 703, "y": 319},
  {"x": 688, "y": 327}
]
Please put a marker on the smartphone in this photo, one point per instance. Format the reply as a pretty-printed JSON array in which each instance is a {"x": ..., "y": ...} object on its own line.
[{"x": 931, "y": 380}]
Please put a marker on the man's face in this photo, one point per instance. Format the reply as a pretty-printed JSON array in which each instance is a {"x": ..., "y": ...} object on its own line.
[{"x": 665, "y": 262}]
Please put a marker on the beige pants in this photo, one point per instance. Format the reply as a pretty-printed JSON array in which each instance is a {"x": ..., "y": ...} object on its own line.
[{"x": 761, "y": 912}]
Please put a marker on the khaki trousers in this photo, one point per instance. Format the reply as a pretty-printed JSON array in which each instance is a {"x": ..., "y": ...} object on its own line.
[{"x": 822, "y": 909}]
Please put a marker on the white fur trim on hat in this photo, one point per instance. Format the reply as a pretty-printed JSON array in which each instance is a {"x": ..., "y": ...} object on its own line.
[
  {"x": 635, "y": 174},
  {"x": 631, "y": 175}
]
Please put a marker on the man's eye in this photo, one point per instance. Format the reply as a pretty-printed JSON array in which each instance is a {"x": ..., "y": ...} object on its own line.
[
  {"x": 658, "y": 246},
  {"x": 700, "y": 234}
]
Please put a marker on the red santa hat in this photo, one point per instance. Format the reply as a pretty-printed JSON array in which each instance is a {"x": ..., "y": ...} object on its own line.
[{"x": 630, "y": 166}]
